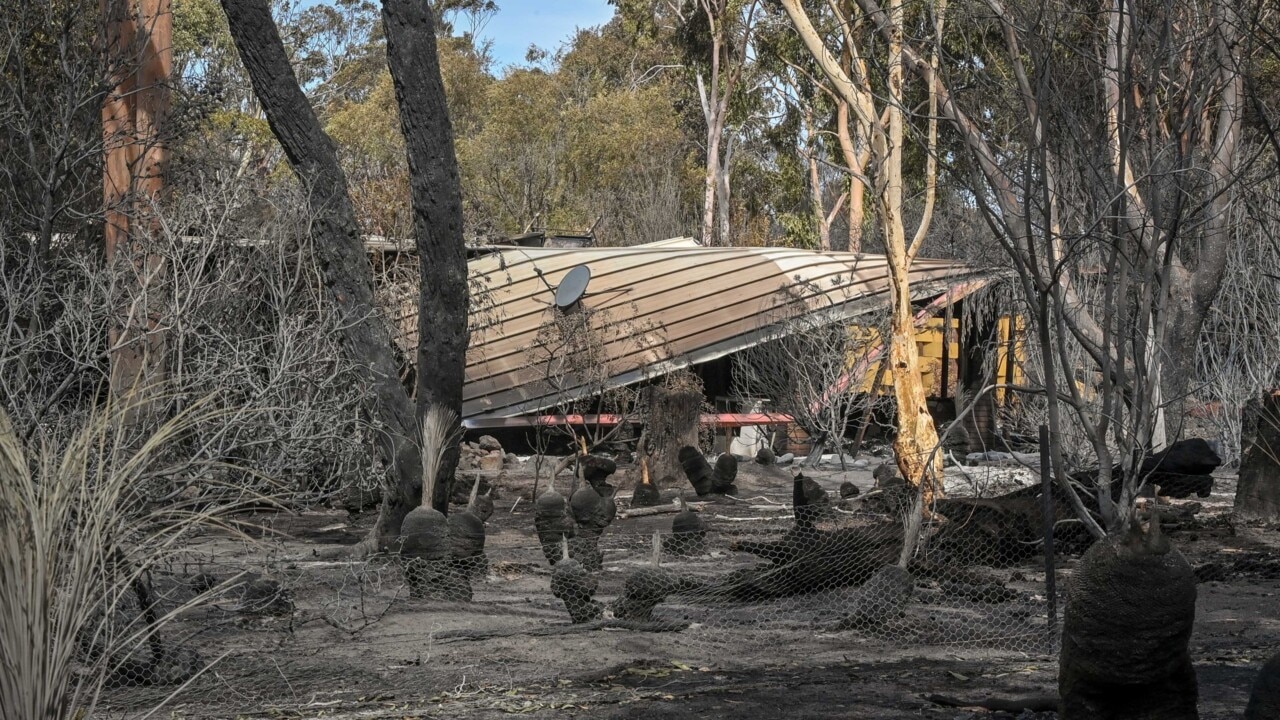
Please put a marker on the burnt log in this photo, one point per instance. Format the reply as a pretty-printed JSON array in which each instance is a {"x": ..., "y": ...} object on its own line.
[
  {"x": 645, "y": 588},
  {"x": 810, "y": 560},
  {"x": 1006, "y": 529},
  {"x": 883, "y": 597},
  {"x": 1029, "y": 703},
  {"x": 1000, "y": 531},
  {"x": 1183, "y": 468}
]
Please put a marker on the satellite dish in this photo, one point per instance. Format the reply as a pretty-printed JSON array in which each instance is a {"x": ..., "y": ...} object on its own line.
[{"x": 573, "y": 287}]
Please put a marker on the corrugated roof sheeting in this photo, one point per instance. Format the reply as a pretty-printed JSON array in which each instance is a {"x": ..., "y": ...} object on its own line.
[{"x": 654, "y": 308}]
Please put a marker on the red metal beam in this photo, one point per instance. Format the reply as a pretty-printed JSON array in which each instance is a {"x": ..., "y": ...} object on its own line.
[{"x": 711, "y": 419}]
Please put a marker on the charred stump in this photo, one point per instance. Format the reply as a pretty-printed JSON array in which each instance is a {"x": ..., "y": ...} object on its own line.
[
  {"x": 726, "y": 471},
  {"x": 688, "y": 533},
  {"x": 1130, "y": 608},
  {"x": 573, "y": 585},
  {"x": 1264, "y": 701},
  {"x": 593, "y": 512},
  {"x": 646, "y": 494},
  {"x": 1258, "y": 490}
]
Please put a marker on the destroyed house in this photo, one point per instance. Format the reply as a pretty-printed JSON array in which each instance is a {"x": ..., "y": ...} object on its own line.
[{"x": 638, "y": 313}]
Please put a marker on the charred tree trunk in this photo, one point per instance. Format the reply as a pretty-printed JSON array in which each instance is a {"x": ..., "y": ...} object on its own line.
[
  {"x": 338, "y": 246},
  {"x": 437, "y": 225},
  {"x": 980, "y": 340},
  {"x": 1258, "y": 491}
]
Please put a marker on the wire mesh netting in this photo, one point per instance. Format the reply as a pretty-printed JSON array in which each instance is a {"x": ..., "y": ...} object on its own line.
[{"x": 568, "y": 585}]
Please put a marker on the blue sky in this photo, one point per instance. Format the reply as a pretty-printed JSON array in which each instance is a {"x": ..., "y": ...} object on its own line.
[{"x": 545, "y": 23}]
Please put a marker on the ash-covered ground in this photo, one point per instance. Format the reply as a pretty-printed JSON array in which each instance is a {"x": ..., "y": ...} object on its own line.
[{"x": 350, "y": 643}]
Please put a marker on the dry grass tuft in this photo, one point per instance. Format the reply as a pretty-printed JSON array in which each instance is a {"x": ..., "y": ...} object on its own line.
[
  {"x": 439, "y": 431},
  {"x": 78, "y": 535}
]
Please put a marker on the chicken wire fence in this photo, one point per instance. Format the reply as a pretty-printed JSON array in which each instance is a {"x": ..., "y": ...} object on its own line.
[{"x": 734, "y": 581}]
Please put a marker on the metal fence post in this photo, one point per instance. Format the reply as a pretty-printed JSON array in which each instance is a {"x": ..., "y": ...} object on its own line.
[{"x": 1046, "y": 493}]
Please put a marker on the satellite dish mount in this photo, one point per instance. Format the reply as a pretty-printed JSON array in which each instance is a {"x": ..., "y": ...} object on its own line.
[{"x": 572, "y": 288}]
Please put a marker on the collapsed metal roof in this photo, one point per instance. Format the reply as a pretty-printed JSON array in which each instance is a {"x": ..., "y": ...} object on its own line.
[{"x": 655, "y": 308}]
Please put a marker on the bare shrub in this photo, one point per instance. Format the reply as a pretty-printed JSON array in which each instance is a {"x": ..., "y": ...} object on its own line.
[
  {"x": 1239, "y": 355},
  {"x": 814, "y": 372},
  {"x": 572, "y": 350},
  {"x": 240, "y": 308}
]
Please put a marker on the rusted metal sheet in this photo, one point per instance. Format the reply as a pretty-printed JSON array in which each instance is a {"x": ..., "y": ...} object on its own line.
[{"x": 655, "y": 308}]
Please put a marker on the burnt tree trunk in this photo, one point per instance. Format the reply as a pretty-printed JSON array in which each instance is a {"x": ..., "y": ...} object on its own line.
[
  {"x": 437, "y": 223},
  {"x": 980, "y": 338},
  {"x": 1258, "y": 490},
  {"x": 338, "y": 247}
]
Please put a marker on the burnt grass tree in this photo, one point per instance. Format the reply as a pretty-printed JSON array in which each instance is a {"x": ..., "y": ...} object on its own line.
[
  {"x": 1130, "y": 608},
  {"x": 426, "y": 548},
  {"x": 1264, "y": 701},
  {"x": 340, "y": 249}
]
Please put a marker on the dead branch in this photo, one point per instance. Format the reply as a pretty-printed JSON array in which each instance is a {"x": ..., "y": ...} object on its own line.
[{"x": 468, "y": 634}]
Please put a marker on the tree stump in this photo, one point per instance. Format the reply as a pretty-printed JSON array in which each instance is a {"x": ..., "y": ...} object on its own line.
[
  {"x": 673, "y": 410},
  {"x": 1264, "y": 701},
  {"x": 1258, "y": 490}
]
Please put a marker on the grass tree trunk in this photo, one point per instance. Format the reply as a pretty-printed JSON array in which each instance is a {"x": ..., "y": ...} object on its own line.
[
  {"x": 339, "y": 249},
  {"x": 437, "y": 223}
]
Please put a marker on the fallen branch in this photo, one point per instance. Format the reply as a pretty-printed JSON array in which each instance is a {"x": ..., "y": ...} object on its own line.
[
  {"x": 659, "y": 510},
  {"x": 608, "y": 624},
  {"x": 1034, "y": 703}
]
